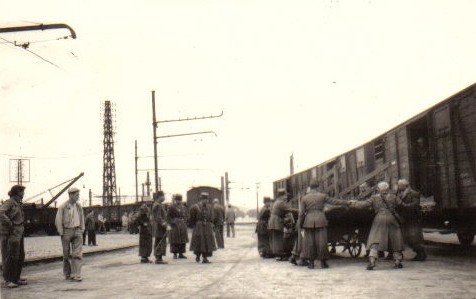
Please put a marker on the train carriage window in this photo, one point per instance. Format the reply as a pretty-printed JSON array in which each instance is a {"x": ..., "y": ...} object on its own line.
[
  {"x": 360, "y": 156},
  {"x": 379, "y": 146}
]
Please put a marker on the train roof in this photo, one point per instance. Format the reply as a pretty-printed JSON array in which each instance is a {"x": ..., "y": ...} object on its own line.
[{"x": 453, "y": 97}]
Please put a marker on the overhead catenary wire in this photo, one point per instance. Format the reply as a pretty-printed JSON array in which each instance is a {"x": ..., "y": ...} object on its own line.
[{"x": 29, "y": 51}]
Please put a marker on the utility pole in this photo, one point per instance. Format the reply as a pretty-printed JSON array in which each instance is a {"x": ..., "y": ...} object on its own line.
[
  {"x": 257, "y": 200},
  {"x": 90, "y": 197},
  {"x": 137, "y": 187},
  {"x": 222, "y": 191},
  {"x": 155, "y": 123},
  {"x": 143, "y": 194},
  {"x": 227, "y": 189},
  {"x": 148, "y": 183}
]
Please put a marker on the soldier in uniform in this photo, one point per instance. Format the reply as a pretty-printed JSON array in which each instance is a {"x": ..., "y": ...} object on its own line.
[
  {"x": 178, "y": 232},
  {"x": 159, "y": 227},
  {"x": 314, "y": 224},
  {"x": 218, "y": 220},
  {"x": 411, "y": 212},
  {"x": 142, "y": 220},
  {"x": 280, "y": 213},
  {"x": 385, "y": 233},
  {"x": 11, "y": 237},
  {"x": 262, "y": 229},
  {"x": 201, "y": 218}
]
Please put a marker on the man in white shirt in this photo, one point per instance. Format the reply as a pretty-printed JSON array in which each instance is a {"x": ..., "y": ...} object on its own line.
[{"x": 70, "y": 224}]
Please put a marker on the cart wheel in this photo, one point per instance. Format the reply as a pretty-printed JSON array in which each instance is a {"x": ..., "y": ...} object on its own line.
[{"x": 353, "y": 245}]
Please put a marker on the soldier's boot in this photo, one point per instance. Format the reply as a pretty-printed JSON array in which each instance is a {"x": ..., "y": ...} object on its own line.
[
  {"x": 205, "y": 260},
  {"x": 175, "y": 256},
  {"x": 159, "y": 260},
  {"x": 292, "y": 260},
  {"x": 181, "y": 256},
  {"x": 420, "y": 256},
  {"x": 197, "y": 258},
  {"x": 367, "y": 253},
  {"x": 324, "y": 264},
  {"x": 398, "y": 264},
  {"x": 145, "y": 260},
  {"x": 389, "y": 256},
  {"x": 372, "y": 263},
  {"x": 311, "y": 264}
]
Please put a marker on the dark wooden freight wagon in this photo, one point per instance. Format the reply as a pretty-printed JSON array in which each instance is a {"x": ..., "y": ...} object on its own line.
[{"x": 435, "y": 150}]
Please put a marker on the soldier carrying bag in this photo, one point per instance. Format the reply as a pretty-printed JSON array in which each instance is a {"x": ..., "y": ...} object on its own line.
[{"x": 397, "y": 217}]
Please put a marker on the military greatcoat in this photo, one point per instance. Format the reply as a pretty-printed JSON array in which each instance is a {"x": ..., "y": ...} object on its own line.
[
  {"x": 145, "y": 232},
  {"x": 314, "y": 223},
  {"x": 385, "y": 232},
  {"x": 178, "y": 232},
  {"x": 159, "y": 228},
  {"x": 203, "y": 241}
]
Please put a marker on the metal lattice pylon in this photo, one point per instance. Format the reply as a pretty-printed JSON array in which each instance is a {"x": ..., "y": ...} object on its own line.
[{"x": 109, "y": 170}]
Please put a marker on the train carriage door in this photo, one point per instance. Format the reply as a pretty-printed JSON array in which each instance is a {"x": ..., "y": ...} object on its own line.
[
  {"x": 420, "y": 156},
  {"x": 443, "y": 174}
]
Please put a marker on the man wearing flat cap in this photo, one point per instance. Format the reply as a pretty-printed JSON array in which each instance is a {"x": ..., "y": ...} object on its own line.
[
  {"x": 11, "y": 237},
  {"x": 159, "y": 227},
  {"x": 218, "y": 221},
  {"x": 70, "y": 224}
]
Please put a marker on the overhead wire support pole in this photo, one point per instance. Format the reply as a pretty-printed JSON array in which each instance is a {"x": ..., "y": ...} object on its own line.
[
  {"x": 155, "y": 124},
  {"x": 38, "y": 27}
]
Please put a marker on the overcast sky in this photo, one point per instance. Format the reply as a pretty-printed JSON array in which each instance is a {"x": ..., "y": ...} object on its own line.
[{"x": 313, "y": 78}]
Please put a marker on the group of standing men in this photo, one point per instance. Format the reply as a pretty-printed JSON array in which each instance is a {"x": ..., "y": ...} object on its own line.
[
  {"x": 206, "y": 219},
  {"x": 396, "y": 222},
  {"x": 69, "y": 223}
]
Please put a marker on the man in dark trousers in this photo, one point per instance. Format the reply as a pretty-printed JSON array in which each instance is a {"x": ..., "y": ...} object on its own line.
[
  {"x": 11, "y": 237},
  {"x": 262, "y": 229},
  {"x": 314, "y": 223},
  {"x": 280, "y": 213},
  {"x": 410, "y": 210},
  {"x": 218, "y": 220},
  {"x": 178, "y": 233},
  {"x": 90, "y": 223},
  {"x": 142, "y": 220},
  {"x": 159, "y": 227},
  {"x": 203, "y": 241}
]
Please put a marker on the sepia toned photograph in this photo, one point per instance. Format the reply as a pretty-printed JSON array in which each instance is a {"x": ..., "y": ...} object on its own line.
[{"x": 237, "y": 149}]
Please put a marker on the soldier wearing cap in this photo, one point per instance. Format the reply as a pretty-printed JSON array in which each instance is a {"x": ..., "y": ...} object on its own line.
[
  {"x": 262, "y": 229},
  {"x": 159, "y": 227},
  {"x": 142, "y": 220},
  {"x": 203, "y": 241},
  {"x": 218, "y": 220},
  {"x": 11, "y": 237},
  {"x": 178, "y": 232},
  {"x": 70, "y": 225},
  {"x": 411, "y": 212},
  {"x": 314, "y": 223},
  {"x": 280, "y": 213}
]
